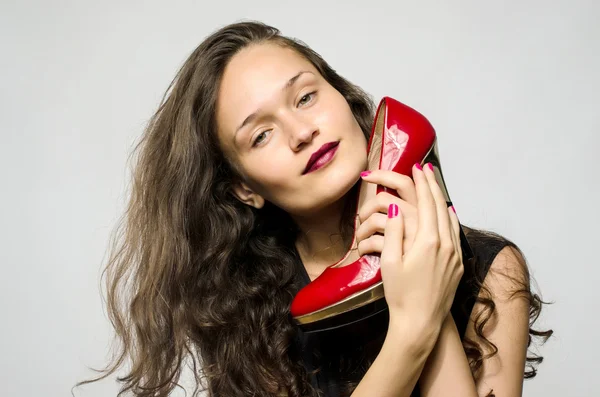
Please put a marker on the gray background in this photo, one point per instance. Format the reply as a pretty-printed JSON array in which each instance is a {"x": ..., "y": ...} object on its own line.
[{"x": 511, "y": 88}]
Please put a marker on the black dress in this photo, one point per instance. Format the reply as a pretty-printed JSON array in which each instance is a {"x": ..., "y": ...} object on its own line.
[{"x": 344, "y": 354}]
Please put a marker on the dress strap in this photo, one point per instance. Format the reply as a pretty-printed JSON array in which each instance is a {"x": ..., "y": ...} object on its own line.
[{"x": 469, "y": 286}]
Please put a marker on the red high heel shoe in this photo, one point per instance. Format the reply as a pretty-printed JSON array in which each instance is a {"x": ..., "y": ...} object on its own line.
[{"x": 351, "y": 289}]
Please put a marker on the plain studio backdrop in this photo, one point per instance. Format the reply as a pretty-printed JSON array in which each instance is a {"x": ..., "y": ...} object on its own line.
[{"x": 511, "y": 88}]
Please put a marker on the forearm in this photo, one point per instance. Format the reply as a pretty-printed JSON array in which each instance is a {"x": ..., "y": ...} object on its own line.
[
  {"x": 397, "y": 368},
  {"x": 447, "y": 371}
]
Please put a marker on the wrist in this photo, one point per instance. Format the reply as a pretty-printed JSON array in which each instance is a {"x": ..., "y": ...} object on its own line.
[{"x": 421, "y": 334}]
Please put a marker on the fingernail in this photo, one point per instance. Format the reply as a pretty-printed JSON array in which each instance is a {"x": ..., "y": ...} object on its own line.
[
  {"x": 364, "y": 173},
  {"x": 453, "y": 209},
  {"x": 392, "y": 210},
  {"x": 430, "y": 166},
  {"x": 418, "y": 166}
]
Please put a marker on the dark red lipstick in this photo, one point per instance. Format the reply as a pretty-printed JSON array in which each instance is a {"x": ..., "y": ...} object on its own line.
[{"x": 321, "y": 157}]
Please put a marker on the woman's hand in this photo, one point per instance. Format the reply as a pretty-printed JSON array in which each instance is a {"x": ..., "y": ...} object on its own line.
[
  {"x": 420, "y": 283},
  {"x": 373, "y": 213}
]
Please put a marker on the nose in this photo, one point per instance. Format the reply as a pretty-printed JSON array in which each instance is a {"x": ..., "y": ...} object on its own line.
[{"x": 301, "y": 131}]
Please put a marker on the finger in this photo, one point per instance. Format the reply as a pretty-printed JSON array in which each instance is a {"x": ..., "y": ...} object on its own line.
[
  {"x": 374, "y": 224},
  {"x": 394, "y": 234},
  {"x": 455, "y": 238},
  {"x": 428, "y": 224},
  {"x": 381, "y": 204},
  {"x": 443, "y": 218},
  {"x": 373, "y": 244},
  {"x": 456, "y": 230},
  {"x": 402, "y": 184}
]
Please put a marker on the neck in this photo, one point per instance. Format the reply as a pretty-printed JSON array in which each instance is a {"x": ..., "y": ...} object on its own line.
[{"x": 320, "y": 243}]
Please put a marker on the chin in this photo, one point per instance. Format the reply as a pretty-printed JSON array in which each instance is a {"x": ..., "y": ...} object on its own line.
[{"x": 340, "y": 180}]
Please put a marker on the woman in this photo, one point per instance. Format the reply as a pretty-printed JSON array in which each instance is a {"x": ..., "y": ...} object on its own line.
[{"x": 223, "y": 228}]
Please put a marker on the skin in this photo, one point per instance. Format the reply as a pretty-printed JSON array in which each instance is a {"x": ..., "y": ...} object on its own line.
[{"x": 272, "y": 151}]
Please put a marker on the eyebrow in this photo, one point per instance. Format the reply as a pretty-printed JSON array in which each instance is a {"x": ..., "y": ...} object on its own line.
[{"x": 254, "y": 114}]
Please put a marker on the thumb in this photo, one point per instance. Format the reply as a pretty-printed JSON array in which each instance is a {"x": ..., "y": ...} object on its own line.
[{"x": 393, "y": 236}]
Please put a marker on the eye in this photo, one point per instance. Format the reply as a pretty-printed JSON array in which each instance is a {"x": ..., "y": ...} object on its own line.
[
  {"x": 257, "y": 141},
  {"x": 307, "y": 98}
]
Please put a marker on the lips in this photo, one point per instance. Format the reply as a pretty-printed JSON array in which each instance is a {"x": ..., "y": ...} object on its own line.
[{"x": 316, "y": 155}]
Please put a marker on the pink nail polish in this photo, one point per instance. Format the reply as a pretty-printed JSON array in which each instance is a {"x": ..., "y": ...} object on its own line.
[
  {"x": 365, "y": 173},
  {"x": 392, "y": 210},
  {"x": 430, "y": 166},
  {"x": 418, "y": 166}
]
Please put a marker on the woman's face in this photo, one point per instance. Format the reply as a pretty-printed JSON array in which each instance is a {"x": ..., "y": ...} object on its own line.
[{"x": 275, "y": 110}]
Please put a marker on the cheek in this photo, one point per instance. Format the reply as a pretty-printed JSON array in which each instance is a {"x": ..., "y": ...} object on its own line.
[
  {"x": 337, "y": 118},
  {"x": 268, "y": 173}
]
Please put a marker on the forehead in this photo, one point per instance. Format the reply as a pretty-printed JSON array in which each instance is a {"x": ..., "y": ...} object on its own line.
[{"x": 252, "y": 79}]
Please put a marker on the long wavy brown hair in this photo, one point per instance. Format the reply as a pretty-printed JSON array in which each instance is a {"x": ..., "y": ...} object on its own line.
[{"x": 196, "y": 278}]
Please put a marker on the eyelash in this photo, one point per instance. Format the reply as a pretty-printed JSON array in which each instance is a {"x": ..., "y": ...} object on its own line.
[
  {"x": 305, "y": 95},
  {"x": 256, "y": 141}
]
